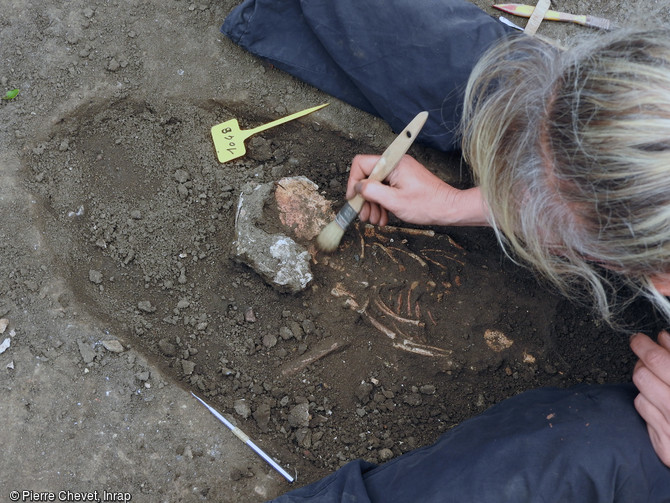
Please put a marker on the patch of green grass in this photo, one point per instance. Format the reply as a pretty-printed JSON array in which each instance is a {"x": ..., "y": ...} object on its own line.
[{"x": 10, "y": 95}]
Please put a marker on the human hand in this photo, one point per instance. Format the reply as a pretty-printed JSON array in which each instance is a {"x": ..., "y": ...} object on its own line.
[
  {"x": 413, "y": 194},
  {"x": 652, "y": 378}
]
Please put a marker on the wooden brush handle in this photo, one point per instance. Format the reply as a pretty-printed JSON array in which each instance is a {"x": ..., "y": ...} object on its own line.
[
  {"x": 392, "y": 155},
  {"x": 537, "y": 16}
]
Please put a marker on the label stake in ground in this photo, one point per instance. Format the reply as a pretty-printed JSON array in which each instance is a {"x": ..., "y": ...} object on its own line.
[{"x": 229, "y": 138}]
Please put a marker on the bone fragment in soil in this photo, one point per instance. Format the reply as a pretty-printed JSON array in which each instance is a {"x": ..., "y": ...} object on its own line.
[{"x": 314, "y": 355}]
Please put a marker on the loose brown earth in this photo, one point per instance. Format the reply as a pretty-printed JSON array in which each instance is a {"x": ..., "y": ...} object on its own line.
[{"x": 118, "y": 223}]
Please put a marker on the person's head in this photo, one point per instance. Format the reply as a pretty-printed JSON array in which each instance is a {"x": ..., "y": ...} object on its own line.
[{"x": 572, "y": 151}]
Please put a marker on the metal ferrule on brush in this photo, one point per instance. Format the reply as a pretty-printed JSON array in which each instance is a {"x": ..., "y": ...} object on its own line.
[{"x": 345, "y": 216}]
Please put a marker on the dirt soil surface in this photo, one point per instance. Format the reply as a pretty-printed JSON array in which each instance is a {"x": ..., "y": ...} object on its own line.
[{"x": 122, "y": 295}]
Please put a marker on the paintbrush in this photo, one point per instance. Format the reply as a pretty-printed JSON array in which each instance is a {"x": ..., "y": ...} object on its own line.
[
  {"x": 330, "y": 236},
  {"x": 552, "y": 15}
]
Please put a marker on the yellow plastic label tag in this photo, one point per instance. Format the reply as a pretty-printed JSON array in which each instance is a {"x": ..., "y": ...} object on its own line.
[{"x": 229, "y": 138}]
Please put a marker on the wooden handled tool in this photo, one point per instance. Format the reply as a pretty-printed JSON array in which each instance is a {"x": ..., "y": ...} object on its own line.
[
  {"x": 330, "y": 236},
  {"x": 522, "y": 10}
]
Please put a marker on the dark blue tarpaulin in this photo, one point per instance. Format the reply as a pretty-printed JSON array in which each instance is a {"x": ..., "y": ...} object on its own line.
[
  {"x": 389, "y": 58},
  {"x": 580, "y": 445}
]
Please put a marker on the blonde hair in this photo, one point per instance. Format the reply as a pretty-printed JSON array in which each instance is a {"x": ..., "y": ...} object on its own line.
[{"x": 571, "y": 149}]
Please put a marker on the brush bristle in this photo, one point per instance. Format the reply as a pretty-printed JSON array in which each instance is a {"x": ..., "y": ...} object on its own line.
[
  {"x": 598, "y": 22},
  {"x": 330, "y": 237}
]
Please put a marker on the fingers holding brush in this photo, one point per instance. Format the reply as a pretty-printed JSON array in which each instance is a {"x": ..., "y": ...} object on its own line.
[
  {"x": 411, "y": 192},
  {"x": 371, "y": 190},
  {"x": 374, "y": 214},
  {"x": 361, "y": 167}
]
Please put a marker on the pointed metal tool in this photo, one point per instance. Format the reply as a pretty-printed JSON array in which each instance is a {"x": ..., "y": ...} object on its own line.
[{"x": 244, "y": 438}]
